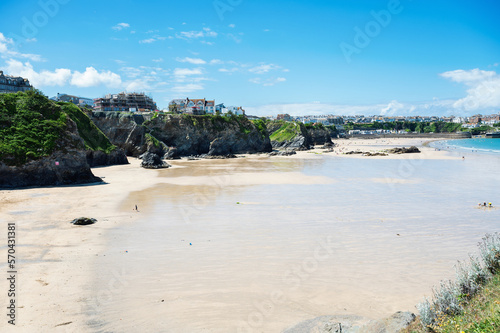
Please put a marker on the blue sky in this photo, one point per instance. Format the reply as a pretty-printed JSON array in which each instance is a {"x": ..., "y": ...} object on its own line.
[{"x": 302, "y": 57}]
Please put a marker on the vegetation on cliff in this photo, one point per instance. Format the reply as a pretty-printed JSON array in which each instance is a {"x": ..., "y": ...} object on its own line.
[
  {"x": 287, "y": 131},
  {"x": 93, "y": 137},
  {"x": 471, "y": 304},
  {"x": 30, "y": 126}
]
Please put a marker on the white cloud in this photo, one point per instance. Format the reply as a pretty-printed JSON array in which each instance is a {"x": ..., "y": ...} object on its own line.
[
  {"x": 154, "y": 39},
  {"x": 91, "y": 78},
  {"x": 393, "y": 108},
  {"x": 268, "y": 82},
  {"x": 216, "y": 62},
  {"x": 187, "y": 88},
  {"x": 483, "y": 92},
  {"x": 6, "y": 51},
  {"x": 232, "y": 26},
  {"x": 63, "y": 76},
  {"x": 158, "y": 60},
  {"x": 206, "y": 32},
  {"x": 187, "y": 71},
  {"x": 469, "y": 77},
  {"x": 263, "y": 68},
  {"x": 194, "y": 61},
  {"x": 121, "y": 26},
  {"x": 58, "y": 77}
]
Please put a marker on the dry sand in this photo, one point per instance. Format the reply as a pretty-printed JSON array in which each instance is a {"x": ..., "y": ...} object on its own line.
[{"x": 56, "y": 260}]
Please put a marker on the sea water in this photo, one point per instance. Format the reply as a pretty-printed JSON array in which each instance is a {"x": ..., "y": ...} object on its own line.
[
  {"x": 260, "y": 244},
  {"x": 479, "y": 145}
]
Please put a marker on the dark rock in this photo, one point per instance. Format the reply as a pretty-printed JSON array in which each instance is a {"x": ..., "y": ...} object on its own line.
[
  {"x": 172, "y": 154},
  {"x": 328, "y": 145},
  {"x": 84, "y": 221},
  {"x": 354, "y": 324},
  {"x": 329, "y": 324},
  {"x": 394, "y": 324},
  {"x": 67, "y": 165},
  {"x": 190, "y": 135},
  {"x": 282, "y": 153},
  {"x": 375, "y": 154},
  {"x": 99, "y": 158},
  {"x": 403, "y": 150},
  {"x": 219, "y": 157},
  {"x": 153, "y": 161}
]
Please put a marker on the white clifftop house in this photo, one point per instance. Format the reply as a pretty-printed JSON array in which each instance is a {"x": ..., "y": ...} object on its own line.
[{"x": 193, "y": 106}]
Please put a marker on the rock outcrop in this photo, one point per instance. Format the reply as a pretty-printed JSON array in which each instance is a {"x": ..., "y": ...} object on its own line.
[
  {"x": 297, "y": 136},
  {"x": 153, "y": 161},
  {"x": 403, "y": 150},
  {"x": 183, "y": 135},
  {"x": 354, "y": 324},
  {"x": 66, "y": 165},
  {"x": 123, "y": 130},
  {"x": 83, "y": 221}
]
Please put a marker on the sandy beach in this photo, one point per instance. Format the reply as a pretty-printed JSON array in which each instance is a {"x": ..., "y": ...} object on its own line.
[{"x": 63, "y": 287}]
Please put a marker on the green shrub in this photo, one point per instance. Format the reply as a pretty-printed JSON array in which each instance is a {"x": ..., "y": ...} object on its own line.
[
  {"x": 30, "y": 125},
  {"x": 93, "y": 137}
]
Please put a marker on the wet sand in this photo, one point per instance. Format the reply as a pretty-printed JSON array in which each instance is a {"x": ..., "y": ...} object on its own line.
[{"x": 256, "y": 244}]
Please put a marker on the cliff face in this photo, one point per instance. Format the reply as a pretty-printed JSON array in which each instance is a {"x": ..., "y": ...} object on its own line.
[
  {"x": 100, "y": 151},
  {"x": 123, "y": 130},
  {"x": 297, "y": 136},
  {"x": 47, "y": 143},
  {"x": 66, "y": 165},
  {"x": 184, "y": 135}
]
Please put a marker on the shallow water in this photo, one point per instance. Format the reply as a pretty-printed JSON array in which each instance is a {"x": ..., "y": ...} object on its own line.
[{"x": 260, "y": 244}]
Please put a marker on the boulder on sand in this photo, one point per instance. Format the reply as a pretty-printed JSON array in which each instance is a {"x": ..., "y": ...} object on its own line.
[
  {"x": 153, "y": 161},
  {"x": 83, "y": 221}
]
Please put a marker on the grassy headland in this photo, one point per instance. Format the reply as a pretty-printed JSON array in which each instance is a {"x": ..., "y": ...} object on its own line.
[{"x": 471, "y": 304}]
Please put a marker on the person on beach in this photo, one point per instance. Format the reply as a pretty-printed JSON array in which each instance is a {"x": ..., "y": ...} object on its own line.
[
  {"x": 484, "y": 204},
  {"x": 138, "y": 210},
  {"x": 489, "y": 205}
]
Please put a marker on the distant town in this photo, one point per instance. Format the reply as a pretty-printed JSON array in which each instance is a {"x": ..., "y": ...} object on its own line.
[{"x": 143, "y": 103}]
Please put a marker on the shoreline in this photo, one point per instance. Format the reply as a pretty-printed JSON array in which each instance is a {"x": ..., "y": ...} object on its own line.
[{"x": 58, "y": 259}]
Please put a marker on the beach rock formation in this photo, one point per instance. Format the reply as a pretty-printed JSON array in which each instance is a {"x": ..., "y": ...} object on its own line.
[
  {"x": 282, "y": 153},
  {"x": 99, "y": 158},
  {"x": 403, "y": 150},
  {"x": 124, "y": 130},
  {"x": 297, "y": 136},
  {"x": 354, "y": 324},
  {"x": 40, "y": 144},
  {"x": 83, "y": 221},
  {"x": 60, "y": 168},
  {"x": 184, "y": 135},
  {"x": 153, "y": 161}
]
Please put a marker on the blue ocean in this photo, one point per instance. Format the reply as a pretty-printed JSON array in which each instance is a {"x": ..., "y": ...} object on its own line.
[{"x": 479, "y": 145}]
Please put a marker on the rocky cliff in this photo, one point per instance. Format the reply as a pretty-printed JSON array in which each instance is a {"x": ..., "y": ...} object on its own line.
[
  {"x": 297, "y": 136},
  {"x": 184, "y": 135},
  {"x": 67, "y": 164},
  {"x": 47, "y": 143}
]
